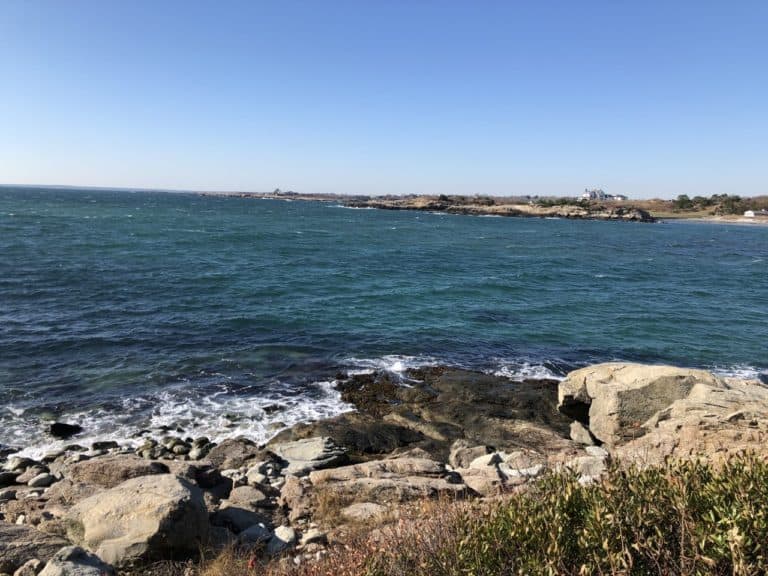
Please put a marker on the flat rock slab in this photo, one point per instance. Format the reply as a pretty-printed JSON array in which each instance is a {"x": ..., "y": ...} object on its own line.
[
  {"x": 309, "y": 454},
  {"x": 18, "y": 544},
  {"x": 109, "y": 471},
  {"x": 392, "y": 468}
]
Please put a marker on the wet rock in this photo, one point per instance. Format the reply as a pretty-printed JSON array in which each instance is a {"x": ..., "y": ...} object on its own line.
[
  {"x": 74, "y": 561},
  {"x": 63, "y": 430},
  {"x": 104, "y": 445},
  {"x": 19, "y": 544},
  {"x": 149, "y": 517}
]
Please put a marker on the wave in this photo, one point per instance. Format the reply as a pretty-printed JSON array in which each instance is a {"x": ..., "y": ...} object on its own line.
[{"x": 218, "y": 415}]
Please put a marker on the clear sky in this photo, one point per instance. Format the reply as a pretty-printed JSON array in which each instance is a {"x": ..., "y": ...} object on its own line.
[{"x": 646, "y": 98}]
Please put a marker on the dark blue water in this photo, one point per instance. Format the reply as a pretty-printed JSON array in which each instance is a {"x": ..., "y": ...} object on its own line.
[{"x": 124, "y": 310}]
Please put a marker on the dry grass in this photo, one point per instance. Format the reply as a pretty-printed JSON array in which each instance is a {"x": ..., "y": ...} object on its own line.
[{"x": 679, "y": 519}]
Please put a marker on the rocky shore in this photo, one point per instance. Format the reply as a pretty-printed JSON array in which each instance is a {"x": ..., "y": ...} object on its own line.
[
  {"x": 434, "y": 432},
  {"x": 450, "y": 205}
]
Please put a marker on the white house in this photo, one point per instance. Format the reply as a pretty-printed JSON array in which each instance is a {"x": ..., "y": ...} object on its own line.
[{"x": 749, "y": 214}]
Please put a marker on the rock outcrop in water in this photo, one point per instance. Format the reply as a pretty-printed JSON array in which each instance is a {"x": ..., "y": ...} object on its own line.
[
  {"x": 470, "y": 206},
  {"x": 434, "y": 432}
]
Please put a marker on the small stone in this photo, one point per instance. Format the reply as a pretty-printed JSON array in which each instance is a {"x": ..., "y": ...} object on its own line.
[
  {"x": 20, "y": 519},
  {"x": 19, "y": 463},
  {"x": 283, "y": 538},
  {"x": 180, "y": 449},
  {"x": 314, "y": 536},
  {"x": 104, "y": 445},
  {"x": 30, "y": 473},
  {"x": 7, "y": 495},
  {"x": 42, "y": 480}
]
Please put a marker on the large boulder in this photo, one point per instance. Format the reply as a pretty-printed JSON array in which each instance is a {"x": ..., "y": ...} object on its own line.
[
  {"x": 712, "y": 422},
  {"x": 74, "y": 561},
  {"x": 304, "y": 456},
  {"x": 110, "y": 471},
  {"x": 614, "y": 400},
  {"x": 150, "y": 517},
  {"x": 18, "y": 544}
]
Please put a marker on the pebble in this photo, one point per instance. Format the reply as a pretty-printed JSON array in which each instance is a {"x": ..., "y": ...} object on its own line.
[{"x": 42, "y": 480}]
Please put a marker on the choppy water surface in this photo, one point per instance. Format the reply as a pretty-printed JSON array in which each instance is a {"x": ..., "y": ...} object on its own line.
[{"x": 127, "y": 310}]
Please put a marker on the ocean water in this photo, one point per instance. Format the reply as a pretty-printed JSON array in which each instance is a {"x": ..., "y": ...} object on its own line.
[{"x": 124, "y": 311}]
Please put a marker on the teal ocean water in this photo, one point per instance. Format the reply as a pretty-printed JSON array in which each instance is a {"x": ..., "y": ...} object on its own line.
[{"x": 125, "y": 311}]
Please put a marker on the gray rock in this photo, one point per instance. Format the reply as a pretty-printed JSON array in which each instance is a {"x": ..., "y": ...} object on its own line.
[
  {"x": 20, "y": 463},
  {"x": 74, "y": 561},
  {"x": 149, "y": 517},
  {"x": 30, "y": 473},
  {"x": 7, "y": 494},
  {"x": 42, "y": 480},
  {"x": 485, "y": 481},
  {"x": 30, "y": 568},
  {"x": 18, "y": 544},
  {"x": 304, "y": 456},
  {"x": 237, "y": 518},
  {"x": 283, "y": 538},
  {"x": 255, "y": 534},
  {"x": 110, "y": 471},
  {"x": 486, "y": 460},
  {"x": 462, "y": 453}
]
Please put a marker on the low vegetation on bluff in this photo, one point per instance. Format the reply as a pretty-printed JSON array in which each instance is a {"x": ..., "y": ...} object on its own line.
[{"x": 683, "y": 518}]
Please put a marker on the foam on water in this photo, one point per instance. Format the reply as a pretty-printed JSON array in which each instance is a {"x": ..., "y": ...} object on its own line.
[
  {"x": 217, "y": 415},
  {"x": 393, "y": 363}
]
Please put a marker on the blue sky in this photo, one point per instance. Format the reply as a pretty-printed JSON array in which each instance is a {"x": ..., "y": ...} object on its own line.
[{"x": 649, "y": 99}]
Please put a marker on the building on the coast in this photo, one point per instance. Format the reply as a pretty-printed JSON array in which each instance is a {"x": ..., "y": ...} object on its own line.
[
  {"x": 749, "y": 214},
  {"x": 600, "y": 194}
]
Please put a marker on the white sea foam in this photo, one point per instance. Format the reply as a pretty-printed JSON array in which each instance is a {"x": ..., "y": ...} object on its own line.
[
  {"x": 394, "y": 363},
  {"x": 520, "y": 371},
  {"x": 743, "y": 372},
  {"x": 218, "y": 415}
]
